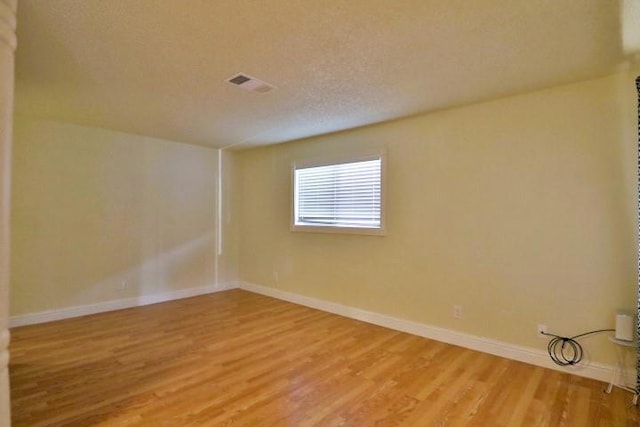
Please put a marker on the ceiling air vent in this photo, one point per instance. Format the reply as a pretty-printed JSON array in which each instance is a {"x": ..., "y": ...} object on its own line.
[{"x": 249, "y": 83}]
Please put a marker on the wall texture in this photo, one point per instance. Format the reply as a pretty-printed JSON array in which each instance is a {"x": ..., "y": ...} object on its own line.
[
  {"x": 521, "y": 210},
  {"x": 94, "y": 208}
]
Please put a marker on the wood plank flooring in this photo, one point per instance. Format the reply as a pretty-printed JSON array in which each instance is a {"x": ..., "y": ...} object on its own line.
[{"x": 239, "y": 359}]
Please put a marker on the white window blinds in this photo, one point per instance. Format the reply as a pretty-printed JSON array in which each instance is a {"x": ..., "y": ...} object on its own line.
[{"x": 339, "y": 195}]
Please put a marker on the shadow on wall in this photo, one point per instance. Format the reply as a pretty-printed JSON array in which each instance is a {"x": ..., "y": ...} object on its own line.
[
  {"x": 99, "y": 215},
  {"x": 179, "y": 268}
]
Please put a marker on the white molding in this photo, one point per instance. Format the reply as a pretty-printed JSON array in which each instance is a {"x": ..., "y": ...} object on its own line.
[
  {"x": 119, "y": 304},
  {"x": 532, "y": 356},
  {"x": 594, "y": 370}
]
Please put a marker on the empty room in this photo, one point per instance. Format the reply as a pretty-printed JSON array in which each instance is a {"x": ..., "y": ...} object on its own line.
[{"x": 319, "y": 213}]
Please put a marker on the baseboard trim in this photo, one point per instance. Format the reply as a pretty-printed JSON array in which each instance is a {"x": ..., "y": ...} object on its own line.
[
  {"x": 594, "y": 370},
  {"x": 119, "y": 304},
  {"x": 532, "y": 356}
]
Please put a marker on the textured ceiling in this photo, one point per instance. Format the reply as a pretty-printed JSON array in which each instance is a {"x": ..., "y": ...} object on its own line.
[{"x": 157, "y": 67}]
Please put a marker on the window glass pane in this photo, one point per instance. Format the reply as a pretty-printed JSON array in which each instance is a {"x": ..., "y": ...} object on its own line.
[{"x": 344, "y": 195}]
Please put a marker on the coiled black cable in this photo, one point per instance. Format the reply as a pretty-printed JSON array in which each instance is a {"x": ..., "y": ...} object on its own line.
[{"x": 566, "y": 351}]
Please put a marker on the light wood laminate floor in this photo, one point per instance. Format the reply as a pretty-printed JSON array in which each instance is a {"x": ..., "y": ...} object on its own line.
[{"x": 240, "y": 359}]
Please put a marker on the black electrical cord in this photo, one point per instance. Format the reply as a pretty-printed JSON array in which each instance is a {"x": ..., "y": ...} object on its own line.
[{"x": 566, "y": 351}]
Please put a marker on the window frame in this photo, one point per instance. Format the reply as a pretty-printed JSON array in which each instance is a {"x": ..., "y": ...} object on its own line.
[{"x": 327, "y": 161}]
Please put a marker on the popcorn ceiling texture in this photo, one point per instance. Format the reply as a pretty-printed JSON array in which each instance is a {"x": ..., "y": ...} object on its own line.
[{"x": 158, "y": 68}]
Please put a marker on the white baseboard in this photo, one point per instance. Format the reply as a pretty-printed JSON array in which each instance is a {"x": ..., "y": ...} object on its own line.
[
  {"x": 100, "y": 307},
  {"x": 532, "y": 356},
  {"x": 594, "y": 370}
]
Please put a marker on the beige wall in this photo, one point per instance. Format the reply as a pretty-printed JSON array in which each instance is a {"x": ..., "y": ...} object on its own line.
[
  {"x": 229, "y": 249},
  {"x": 93, "y": 208},
  {"x": 522, "y": 210}
]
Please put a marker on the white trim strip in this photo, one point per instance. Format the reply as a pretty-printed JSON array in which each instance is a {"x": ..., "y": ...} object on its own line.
[
  {"x": 219, "y": 207},
  {"x": 594, "y": 370},
  {"x": 532, "y": 356},
  {"x": 101, "y": 307}
]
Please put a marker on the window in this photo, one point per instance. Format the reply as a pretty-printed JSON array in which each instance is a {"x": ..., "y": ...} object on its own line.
[{"x": 342, "y": 196}]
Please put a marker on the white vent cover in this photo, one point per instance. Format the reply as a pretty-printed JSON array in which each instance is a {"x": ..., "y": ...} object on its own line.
[{"x": 249, "y": 83}]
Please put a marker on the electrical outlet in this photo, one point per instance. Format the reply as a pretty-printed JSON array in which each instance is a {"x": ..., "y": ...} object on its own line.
[
  {"x": 457, "y": 312},
  {"x": 123, "y": 285},
  {"x": 542, "y": 329}
]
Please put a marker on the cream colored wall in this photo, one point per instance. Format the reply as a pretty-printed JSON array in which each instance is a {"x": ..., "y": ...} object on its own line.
[
  {"x": 522, "y": 210},
  {"x": 229, "y": 249},
  {"x": 93, "y": 208}
]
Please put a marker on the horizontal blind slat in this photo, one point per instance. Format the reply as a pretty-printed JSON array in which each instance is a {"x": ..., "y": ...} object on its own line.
[{"x": 341, "y": 194}]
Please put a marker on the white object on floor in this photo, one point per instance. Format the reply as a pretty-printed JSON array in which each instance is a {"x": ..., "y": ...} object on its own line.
[{"x": 622, "y": 347}]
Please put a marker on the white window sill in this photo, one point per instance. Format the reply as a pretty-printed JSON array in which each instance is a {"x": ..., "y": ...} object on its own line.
[{"x": 370, "y": 231}]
